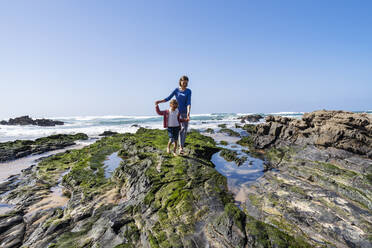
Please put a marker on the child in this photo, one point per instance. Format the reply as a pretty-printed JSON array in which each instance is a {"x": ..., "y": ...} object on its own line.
[{"x": 172, "y": 122}]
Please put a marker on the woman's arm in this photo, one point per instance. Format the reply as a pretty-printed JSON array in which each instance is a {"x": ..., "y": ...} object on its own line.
[
  {"x": 159, "y": 101},
  {"x": 188, "y": 112},
  {"x": 188, "y": 104},
  {"x": 167, "y": 98}
]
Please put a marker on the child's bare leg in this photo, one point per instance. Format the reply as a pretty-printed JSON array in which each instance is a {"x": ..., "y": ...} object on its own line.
[
  {"x": 169, "y": 145},
  {"x": 175, "y": 148}
]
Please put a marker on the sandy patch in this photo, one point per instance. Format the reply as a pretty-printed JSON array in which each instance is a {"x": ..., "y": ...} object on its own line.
[{"x": 53, "y": 200}]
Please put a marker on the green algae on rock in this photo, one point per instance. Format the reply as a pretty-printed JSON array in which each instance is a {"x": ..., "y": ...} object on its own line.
[
  {"x": 230, "y": 155},
  {"x": 209, "y": 130},
  {"x": 250, "y": 128},
  {"x": 224, "y": 143},
  {"x": 320, "y": 190},
  {"x": 152, "y": 199},
  {"x": 20, "y": 148},
  {"x": 229, "y": 132},
  {"x": 246, "y": 141}
]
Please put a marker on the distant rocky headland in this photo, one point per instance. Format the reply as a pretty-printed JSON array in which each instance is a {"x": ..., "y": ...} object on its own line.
[
  {"x": 26, "y": 120},
  {"x": 316, "y": 191}
]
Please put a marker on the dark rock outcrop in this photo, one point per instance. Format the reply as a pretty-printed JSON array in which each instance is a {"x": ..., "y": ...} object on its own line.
[
  {"x": 250, "y": 118},
  {"x": 230, "y": 155},
  {"x": 20, "y": 148},
  {"x": 108, "y": 133},
  {"x": 229, "y": 132},
  {"x": 321, "y": 185},
  {"x": 26, "y": 120},
  {"x": 339, "y": 129}
]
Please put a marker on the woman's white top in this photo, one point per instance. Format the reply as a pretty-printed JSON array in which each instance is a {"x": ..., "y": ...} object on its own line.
[{"x": 173, "y": 118}]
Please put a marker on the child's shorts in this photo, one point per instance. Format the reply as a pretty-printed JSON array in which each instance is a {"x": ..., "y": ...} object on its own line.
[{"x": 173, "y": 133}]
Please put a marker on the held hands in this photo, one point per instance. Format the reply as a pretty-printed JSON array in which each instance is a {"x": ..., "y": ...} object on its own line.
[
  {"x": 187, "y": 119},
  {"x": 157, "y": 102}
]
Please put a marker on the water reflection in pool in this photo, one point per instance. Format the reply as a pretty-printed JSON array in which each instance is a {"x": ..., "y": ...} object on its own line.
[
  {"x": 247, "y": 173},
  {"x": 111, "y": 163},
  {"x": 4, "y": 208},
  {"x": 239, "y": 178}
]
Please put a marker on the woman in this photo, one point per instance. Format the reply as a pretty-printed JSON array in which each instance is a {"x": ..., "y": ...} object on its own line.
[{"x": 183, "y": 97}]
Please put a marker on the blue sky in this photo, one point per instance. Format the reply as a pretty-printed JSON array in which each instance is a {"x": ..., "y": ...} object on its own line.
[{"x": 63, "y": 58}]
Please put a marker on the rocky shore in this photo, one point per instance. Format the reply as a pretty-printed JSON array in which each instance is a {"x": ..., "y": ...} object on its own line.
[
  {"x": 343, "y": 130},
  {"x": 20, "y": 148},
  {"x": 153, "y": 199},
  {"x": 250, "y": 118},
  {"x": 321, "y": 185},
  {"x": 26, "y": 120},
  {"x": 316, "y": 191}
]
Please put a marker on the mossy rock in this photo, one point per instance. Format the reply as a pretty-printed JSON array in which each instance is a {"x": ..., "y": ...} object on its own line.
[
  {"x": 209, "y": 130},
  {"x": 237, "y": 125},
  {"x": 246, "y": 141},
  {"x": 229, "y": 132},
  {"x": 166, "y": 205},
  {"x": 230, "y": 155},
  {"x": 224, "y": 143},
  {"x": 260, "y": 234},
  {"x": 86, "y": 171},
  {"x": 250, "y": 128},
  {"x": 20, "y": 148}
]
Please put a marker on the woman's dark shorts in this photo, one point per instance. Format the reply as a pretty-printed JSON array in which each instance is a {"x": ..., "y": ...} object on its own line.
[{"x": 173, "y": 133}]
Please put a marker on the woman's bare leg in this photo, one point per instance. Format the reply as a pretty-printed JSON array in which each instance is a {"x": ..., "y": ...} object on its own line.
[{"x": 183, "y": 132}]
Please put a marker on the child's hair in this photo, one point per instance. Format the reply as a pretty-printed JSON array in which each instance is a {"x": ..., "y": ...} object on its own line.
[
  {"x": 183, "y": 78},
  {"x": 173, "y": 101}
]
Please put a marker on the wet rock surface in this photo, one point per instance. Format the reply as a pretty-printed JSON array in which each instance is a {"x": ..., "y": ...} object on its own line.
[
  {"x": 26, "y": 120},
  {"x": 321, "y": 185},
  {"x": 230, "y": 155},
  {"x": 152, "y": 199},
  {"x": 108, "y": 133},
  {"x": 229, "y": 132},
  {"x": 250, "y": 118},
  {"x": 21, "y": 148},
  {"x": 339, "y": 129}
]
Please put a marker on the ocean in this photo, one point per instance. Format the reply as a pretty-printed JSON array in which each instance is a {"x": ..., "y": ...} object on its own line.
[{"x": 95, "y": 125}]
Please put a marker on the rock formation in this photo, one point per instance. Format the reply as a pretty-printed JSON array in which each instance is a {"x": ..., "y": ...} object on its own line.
[
  {"x": 229, "y": 132},
  {"x": 20, "y": 148},
  {"x": 153, "y": 199},
  {"x": 250, "y": 118},
  {"x": 108, "y": 133},
  {"x": 316, "y": 191},
  {"x": 26, "y": 120},
  {"x": 344, "y": 130},
  {"x": 321, "y": 185}
]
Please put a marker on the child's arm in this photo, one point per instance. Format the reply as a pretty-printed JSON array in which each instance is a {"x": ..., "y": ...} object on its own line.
[{"x": 159, "y": 111}]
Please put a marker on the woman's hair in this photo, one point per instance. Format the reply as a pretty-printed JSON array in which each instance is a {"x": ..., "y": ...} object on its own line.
[
  {"x": 183, "y": 78},
  {"x": 173, "y": 101}
]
